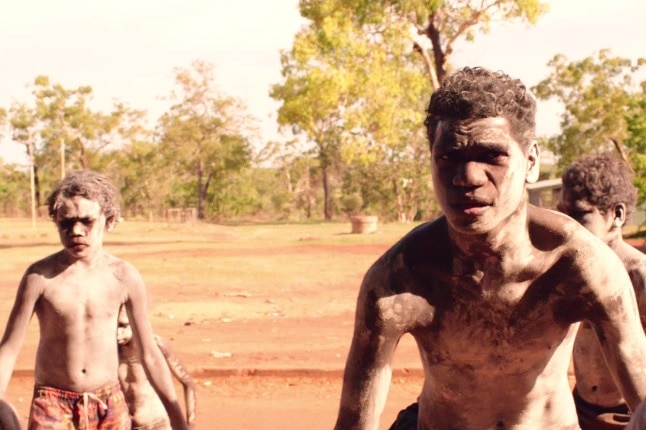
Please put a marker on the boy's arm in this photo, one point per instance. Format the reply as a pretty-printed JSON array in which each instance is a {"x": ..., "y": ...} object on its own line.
[
  {"x": 366, "y": 380},
  {"x": 151, "y": 357},
  {"x": 16, "y": 328},
  {"x": 182, "y": 374}
]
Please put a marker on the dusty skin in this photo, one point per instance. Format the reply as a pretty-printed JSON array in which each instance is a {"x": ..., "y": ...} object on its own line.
[{"x": 283, "y": 378}]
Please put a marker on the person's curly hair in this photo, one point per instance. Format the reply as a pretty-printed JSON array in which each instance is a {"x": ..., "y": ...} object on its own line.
[
  {"x": 476, "y": 93},
  {"x": 90, "y": 185},
  {"x": 603, "y": 180}
]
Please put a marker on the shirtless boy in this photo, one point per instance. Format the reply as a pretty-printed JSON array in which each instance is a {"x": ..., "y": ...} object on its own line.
[
  {"x": 598, "y": 192},
  {"x": 146, "y": 410},
  {"x": 76, "y": 294},
  {"x": 492, "y": 291}
]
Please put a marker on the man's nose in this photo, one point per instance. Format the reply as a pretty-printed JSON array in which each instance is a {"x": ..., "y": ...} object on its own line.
[
  {"x": 469, "y": 174},
  {"x": 78, "y": 229}
]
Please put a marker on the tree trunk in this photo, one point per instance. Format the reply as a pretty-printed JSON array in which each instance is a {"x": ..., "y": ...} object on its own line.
[
  {"x": 327, "y": 197},
  {"x": 201, "y": 192}
]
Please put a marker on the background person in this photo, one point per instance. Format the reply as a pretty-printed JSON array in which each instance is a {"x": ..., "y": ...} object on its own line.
[
  {"x": 598, "y": 192},
  {"x": 146, "y": 410}
]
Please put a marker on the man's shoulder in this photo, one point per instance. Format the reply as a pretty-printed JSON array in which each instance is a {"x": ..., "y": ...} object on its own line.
[
  {"x": 119, "y": 265},
  {"x": 549, "y": 230},
  {"x": 46, "y": 266},
  {"x": 424, "y": 240}
]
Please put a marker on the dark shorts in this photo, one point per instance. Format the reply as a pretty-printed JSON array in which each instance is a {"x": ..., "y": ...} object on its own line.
[
  {"x": 54, "y": 409},
  {"x": 595, "y": 417},
  {"x": 406, "y": 419}
]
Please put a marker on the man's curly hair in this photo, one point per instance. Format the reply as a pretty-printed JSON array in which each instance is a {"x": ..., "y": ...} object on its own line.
[
  {"x": 90, "y": 185},
  {"x": 602, "y": 180},
  {"x": 476, "y": 93}
]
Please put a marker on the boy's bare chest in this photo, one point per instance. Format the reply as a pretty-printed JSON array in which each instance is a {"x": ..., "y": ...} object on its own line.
[{"x": 83, "y": 294}]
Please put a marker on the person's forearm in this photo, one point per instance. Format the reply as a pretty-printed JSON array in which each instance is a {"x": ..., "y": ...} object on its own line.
[
  {"x": 189, "y": 402},
  {"x": 162, "y": 382}
]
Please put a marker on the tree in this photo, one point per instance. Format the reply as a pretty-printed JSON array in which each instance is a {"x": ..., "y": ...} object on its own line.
[
  {"x": 354, "y": 83},
  {"x": 351, "y": 94},
  {"x": 636, "y": 140},
  {"x": 599, "y": 97},
  {"x": 204, "y": 134},
  {"x": 438, "y": 23},
  {"x": 60, "y": 131}
]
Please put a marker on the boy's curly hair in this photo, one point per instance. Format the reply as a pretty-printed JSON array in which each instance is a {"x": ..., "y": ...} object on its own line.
[
  {"x": 602, "y": 180},
  {"x": 90, "y": 185},
  {"x": 476, "y": 93}
]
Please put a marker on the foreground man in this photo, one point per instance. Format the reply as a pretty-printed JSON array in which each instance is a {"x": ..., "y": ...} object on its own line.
[
  {"x": 494, "y": 290},
  {"x": 598, "y": 192}
]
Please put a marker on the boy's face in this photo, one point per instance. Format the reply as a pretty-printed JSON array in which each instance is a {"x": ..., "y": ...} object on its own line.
[
  {"x": 124, "y": 331},
  {"x": 81, "y": 226},
  {"x": 589, "y": 216},
  {"x": 479, "y": 172}
]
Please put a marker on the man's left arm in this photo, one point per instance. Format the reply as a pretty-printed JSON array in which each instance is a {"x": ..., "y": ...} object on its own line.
[
  {"x": 617, "y": 323},
  {"x": 182, "y": 374},
  {"x": 151, "y": 356}
]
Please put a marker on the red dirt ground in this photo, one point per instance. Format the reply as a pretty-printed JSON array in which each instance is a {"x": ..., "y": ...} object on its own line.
[{"x": 278, "y": 365}]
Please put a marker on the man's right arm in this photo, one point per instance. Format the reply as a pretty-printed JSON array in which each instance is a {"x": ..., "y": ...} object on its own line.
[
  {"x": 16, "y": 328},
  {"x": 367, "y": 375}
]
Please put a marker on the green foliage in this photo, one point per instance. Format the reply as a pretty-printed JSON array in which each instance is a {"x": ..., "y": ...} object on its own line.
[
  {"x": 203, "y": 136},
  {"x": 14, "y": 186},
  {"x": 636, "y": 141},
  {"x": 61, "y": 132},
  {"x": 603, "y": 106}
]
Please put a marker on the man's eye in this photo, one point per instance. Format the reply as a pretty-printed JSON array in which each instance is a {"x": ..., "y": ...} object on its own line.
[
  {"x": 87, "y": 221},
  {"x": 66, "y": 224},
  {"x": 495, "y": 156},
  {"x": 445, "y": 157}
]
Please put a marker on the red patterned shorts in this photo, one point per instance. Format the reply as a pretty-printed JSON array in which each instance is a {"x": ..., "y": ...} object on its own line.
[{"x": 54, "y": 409}]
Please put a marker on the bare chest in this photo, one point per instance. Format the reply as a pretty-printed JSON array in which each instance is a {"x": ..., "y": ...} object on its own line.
[
  {"x": 508, "y": 325},
  {"x": 81, "y": 296}
]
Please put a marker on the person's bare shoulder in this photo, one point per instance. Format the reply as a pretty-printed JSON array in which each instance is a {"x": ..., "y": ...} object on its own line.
[
  {"x": 48, "y": 266},
  {"x": 399, "y": 289},
  {"x": 123, "y": 270},
  {"x": 553, "y": 231}
]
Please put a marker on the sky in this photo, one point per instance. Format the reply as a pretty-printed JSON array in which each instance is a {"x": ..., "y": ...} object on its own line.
[{"x": 127, "y": 50}]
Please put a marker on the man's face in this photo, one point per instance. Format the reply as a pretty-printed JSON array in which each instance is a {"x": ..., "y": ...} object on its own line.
[
  {"x": 81, "y": 225},
  {"x": 589, "y": 216},
  {"x": 479, "y": 172},
  {"x": 124, "y": 331}
]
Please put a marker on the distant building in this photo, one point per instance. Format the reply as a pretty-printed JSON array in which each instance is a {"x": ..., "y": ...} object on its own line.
[{"x": 545, "y": 193}]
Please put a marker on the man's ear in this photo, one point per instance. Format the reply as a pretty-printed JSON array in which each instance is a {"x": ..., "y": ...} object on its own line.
[
  {"x": 619, "y": 215},
  {"x": 110, "y": 224},
  {"x": 534, "y": 165}
]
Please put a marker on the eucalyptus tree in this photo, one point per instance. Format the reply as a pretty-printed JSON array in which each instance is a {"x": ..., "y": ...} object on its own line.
[
  {"x": 60, "y": 131},
  {"x": 636, "y": 140},
  {"x": 204, "y": 135},
  {"x": 355, "y": 86},
  {"x": 436, "y": 25},
  {"x": 351, "y": 95},
  {"x": 601, "y": 98}
]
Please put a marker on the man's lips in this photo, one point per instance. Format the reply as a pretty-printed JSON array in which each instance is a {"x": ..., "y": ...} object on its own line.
[
  {"x": 469, "y": 206},
  {"x": 77, "y": 244}
]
